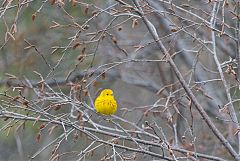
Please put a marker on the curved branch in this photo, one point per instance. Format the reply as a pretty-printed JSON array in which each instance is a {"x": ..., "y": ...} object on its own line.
[
  {"x": 200, "y": 109},
  {"x": 4, "y": 114}
]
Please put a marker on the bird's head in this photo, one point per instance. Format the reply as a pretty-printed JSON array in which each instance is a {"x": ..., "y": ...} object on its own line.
[{"x": 106, "y": 92}]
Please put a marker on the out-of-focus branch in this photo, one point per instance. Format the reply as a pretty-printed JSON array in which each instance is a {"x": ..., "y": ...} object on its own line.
[
  {"x": 238, "y": 39},
  {"x": 111, "y": 75},
  {"x": 227, "y": 90},
  {"x": 199, "y": 73},
  {"x": 217, "y": 133}
]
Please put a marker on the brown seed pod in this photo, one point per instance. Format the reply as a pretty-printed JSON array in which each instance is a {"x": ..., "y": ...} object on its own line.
[
  {"x": 86, "y": 10},
  {"x": 134, "y": 23},
  {"x": 119, "y": 28},
  {"x": 38, "y": 137},
  {"x": 76, "y": 45},
  {"x": 74, "y": 3},
  {"x": 114, "y": 39},
  {"x": 34, "y": 16},
  {"x": 42, "y": 126},
  {"x": 53, "y": 2},
  {"x": 103, "y": 75}
]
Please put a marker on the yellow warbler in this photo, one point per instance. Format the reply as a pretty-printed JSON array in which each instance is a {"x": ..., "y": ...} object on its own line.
[{"x": 105, "y": 103}]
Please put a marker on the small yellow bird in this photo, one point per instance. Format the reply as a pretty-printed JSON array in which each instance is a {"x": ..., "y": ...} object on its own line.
[{"x": 105, "y": 103}]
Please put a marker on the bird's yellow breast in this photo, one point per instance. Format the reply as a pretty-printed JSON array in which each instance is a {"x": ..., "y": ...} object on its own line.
[{"x": 106, "y": 105}]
